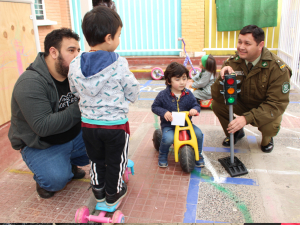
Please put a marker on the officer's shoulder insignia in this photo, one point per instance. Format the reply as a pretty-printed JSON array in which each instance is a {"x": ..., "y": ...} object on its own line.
[
  {"x": 237, "y": 58},
  {"x": 285, "y": 87},
  {"x": 264, "y": 64},
  {"x": 281, "y": 64}
]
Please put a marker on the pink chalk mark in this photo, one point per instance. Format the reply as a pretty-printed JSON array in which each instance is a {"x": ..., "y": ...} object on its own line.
[
  {"x": 271, "y": 204},
  {"x": 19, "y": 50}
]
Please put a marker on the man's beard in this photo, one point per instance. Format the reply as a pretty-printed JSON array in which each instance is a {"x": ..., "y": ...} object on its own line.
[{"x": 60, "y": 67}]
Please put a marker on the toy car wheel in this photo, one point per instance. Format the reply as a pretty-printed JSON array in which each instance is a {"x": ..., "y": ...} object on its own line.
[
  {"x": 157, "y": 73},
  {"x": 157, "y": 136},
  {"x": 125, "y": 176},
  {"x": 118, "y": 217},
  {"x": 187, "y": 158},
  {"x": 82, "y": 214},
  {"x": 192, "y": 73}
]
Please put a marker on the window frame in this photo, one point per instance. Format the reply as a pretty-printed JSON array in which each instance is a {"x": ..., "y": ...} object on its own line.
[
  {"x": 45, "y": 21},
  {"x": 43, "y": 9}
]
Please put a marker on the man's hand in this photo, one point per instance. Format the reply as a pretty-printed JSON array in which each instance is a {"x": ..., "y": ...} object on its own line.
[
  {"x": 193, "y": 112},
  {"x": 225, "y": 70},
  {"x": 236, "y": 124},
  {"x": 168, "y": 116}
]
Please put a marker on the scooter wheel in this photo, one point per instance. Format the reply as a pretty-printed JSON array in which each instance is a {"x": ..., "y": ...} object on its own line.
[
  {"x": 82, "y": 214},
  {"x": 187, "y": 158},
  {"x": 118, "y": 217},
  {"x": 157, "y": 136},
  {"x": 125, "y": 176},
  {"x": 157, "y": 73}
]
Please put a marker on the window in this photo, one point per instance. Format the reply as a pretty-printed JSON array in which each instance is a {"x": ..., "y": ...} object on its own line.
[{"x": 39, "y": 9}]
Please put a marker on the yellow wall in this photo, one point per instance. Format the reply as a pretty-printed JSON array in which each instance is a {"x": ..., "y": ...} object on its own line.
[
  {"x": 268, "y": 39},
  {"x": 192, "y": 12}
]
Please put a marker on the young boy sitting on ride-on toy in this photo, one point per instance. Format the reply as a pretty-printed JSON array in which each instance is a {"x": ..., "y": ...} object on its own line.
[
  {"x": 204, "y": 80},
  {"x": 175, "y": 98},
  {"x": 104, "y": 83}
]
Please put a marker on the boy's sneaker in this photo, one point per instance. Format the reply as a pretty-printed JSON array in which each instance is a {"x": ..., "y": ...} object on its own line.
[
  {"x": 163, "y": 164},
  {"x": 201, "y": 162},
  {"x": 99, "y": 194},
  {"x": 115, "y": 198}
]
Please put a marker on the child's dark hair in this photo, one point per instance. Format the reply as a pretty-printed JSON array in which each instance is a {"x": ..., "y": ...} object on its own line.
[
  {"x": 55, "y": 37},
  {"x": 96, "y": 2},
  {"x": 108, "y": 3},
  {"x": 211, "y": 65},
  {"x": 174, "y": 70},
  {"x": 98, "y": 23}
]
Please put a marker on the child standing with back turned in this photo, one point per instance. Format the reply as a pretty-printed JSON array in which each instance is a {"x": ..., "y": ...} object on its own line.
[
  {"x": 175, "y": 98},
  {"x": 205, "y": 79},
  {"x": 104, "y": 83}
]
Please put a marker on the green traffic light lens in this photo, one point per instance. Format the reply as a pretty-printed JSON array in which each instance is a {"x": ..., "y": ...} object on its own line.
[{"x": 231, "y": 100}]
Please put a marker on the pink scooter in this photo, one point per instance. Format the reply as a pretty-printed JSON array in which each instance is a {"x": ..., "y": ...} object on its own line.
[{"x": 83, "y": 215}]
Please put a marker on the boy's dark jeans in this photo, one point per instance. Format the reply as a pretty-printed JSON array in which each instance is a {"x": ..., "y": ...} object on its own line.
[{"x": 168, "y": 139}]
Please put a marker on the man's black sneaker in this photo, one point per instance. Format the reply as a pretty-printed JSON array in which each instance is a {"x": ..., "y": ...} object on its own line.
[
  {"x": 78, "y": 173},
  {"x": 115, "y": 198},
  {"x": 269, "y": 147},
  {"x": 237, "y": 136},
  {"x": 99, "y": 193},
  {"x": 43, "y": 193}
]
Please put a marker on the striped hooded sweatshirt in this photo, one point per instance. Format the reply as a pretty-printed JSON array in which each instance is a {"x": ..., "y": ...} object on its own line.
[{"x": 103, "y": 82}]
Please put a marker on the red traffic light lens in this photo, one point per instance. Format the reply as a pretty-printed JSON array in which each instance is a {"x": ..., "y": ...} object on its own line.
[{"x": 230, "y": 81}]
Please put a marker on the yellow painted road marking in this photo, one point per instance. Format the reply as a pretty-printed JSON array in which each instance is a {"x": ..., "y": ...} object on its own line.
[{"x": 29, "y": 172}]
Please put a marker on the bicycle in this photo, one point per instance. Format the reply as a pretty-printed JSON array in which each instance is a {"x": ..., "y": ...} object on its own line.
[{"x": 157, "y": 73}]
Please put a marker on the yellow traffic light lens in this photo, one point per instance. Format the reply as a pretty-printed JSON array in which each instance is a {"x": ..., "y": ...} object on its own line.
[{"x": 230, "y": 91}]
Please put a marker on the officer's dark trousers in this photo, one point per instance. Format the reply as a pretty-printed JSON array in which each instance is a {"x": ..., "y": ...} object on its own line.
[{"x": 268, "y": 130}]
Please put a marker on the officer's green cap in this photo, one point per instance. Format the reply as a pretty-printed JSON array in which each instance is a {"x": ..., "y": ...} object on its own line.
[{"x": 204, "y": 59}]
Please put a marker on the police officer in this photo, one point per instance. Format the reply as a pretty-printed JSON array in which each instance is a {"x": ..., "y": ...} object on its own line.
[{"x": 265, "y": 86}]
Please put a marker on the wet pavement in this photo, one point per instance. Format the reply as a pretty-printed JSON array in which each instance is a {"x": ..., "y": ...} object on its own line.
[{"x": 269, "y": 193}]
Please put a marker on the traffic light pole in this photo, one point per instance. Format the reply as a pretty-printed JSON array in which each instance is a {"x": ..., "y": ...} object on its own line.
[
  {"x": 232, "y": 164},
  {"x": 231, "y": 135}
]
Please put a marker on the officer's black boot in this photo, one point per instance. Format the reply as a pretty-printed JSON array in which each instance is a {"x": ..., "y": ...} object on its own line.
[{"x": 237, "y": 136}]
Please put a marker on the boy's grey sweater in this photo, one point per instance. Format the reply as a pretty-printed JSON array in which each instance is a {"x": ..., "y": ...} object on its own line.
[{"x": 104, "y": 96}]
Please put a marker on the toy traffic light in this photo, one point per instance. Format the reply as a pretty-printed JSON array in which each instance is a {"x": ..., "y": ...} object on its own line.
[
  {"x": 230, "y": 90},
  {"x": 232, "y": 164}
]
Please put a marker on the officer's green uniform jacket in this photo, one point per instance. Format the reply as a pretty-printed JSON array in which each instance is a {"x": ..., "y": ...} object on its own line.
[{"x": 265, "y": 90}]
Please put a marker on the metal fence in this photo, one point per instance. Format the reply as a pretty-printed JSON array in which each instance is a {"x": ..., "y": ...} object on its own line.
[
  {"x": 150, "y": 27},
  {"x": 224, "y": 43},
  {"x": 289, "y": 39}
]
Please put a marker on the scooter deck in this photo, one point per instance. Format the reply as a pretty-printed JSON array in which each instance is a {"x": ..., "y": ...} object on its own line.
[{"x": 103, "y": 207}]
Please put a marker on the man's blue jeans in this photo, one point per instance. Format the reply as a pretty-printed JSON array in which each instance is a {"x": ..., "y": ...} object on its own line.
[
  {"x": 52, "y": 166},
  {"x": 168, "y": 139}
]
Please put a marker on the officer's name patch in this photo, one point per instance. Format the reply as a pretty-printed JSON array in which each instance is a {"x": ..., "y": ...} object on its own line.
[{"x": 285, "y": 87}]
